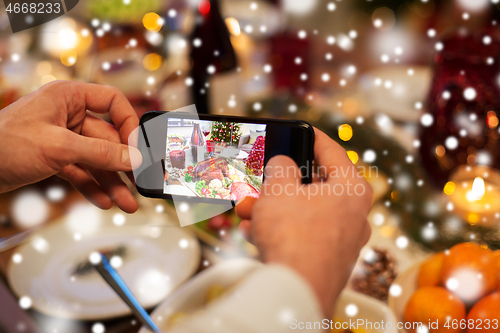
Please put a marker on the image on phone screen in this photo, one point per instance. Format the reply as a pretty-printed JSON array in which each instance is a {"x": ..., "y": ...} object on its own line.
[{"x": 214, "y": 159}]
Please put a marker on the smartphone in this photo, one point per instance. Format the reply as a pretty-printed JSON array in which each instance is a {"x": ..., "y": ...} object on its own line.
[{"x": 215, "y": 158}]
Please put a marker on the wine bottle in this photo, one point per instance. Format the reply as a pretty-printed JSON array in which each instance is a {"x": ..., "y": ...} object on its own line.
[
  {"x": 214, "y": 71},
  {"x": 197, "y": 144}
]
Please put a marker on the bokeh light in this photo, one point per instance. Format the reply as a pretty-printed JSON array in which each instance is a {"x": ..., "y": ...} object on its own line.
[
  {"x": 152, "y": 21},
  {"x": 152, "y": 61},
  {"x": 345, "y": 132}
]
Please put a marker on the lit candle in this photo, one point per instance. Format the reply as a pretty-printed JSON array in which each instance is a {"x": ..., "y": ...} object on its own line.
[{"x": 475, "y": 193}]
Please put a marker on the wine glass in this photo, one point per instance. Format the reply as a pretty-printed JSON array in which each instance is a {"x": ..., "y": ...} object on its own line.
[{"x": 205, "y": 128}]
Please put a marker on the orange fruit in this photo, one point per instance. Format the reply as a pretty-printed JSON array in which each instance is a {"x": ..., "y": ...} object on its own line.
[
  {"x": 434, "y": 303},
  {"x": 430, "y": 271},
  {"x": 496, "y": 255},
  {"x": 485, "y": 315},
  {"x": 469, "y": 272}
]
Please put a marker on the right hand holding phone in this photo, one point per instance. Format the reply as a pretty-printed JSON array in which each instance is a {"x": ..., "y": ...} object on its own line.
[{"x": 315, "y": 229}]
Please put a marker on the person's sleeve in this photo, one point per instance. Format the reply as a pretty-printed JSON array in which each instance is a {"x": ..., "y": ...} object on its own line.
[{"x": 273, "y": 299}]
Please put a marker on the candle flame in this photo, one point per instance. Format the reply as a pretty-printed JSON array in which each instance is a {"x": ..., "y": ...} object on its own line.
[{"x": 478, "y": 190}]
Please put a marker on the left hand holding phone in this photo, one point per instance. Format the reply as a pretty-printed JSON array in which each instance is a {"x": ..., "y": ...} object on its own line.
[{"x": 50, "y": 132}]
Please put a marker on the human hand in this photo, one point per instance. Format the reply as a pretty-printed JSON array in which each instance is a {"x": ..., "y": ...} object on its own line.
[
  {"x": 316, "y": 231},
  {"x": 50, "y": 132}
]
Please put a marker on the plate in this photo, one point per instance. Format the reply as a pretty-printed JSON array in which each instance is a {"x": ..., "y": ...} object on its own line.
[
  {"x": 407, "y": 280},
  {"x": 352, "y": 306},
  {"x": 191, "y": 296},
  {"x": 152, "y": 256}
]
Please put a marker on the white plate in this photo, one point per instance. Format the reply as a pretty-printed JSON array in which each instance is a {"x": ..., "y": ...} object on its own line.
[
  {"x": 158, "y": 258},
  {"x": 367, "y": 308},
  {"x": 407, "y": 280},
  {"x": 191, "y": 297}
]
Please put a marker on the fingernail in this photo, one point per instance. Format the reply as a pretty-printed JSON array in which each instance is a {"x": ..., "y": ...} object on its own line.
[
  {"x": 135, "y": 157},
  {"x": 126, "y": 158}
]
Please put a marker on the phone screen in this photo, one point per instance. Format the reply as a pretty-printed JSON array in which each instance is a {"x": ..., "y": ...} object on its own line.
[{"x": 214, "y": 159}]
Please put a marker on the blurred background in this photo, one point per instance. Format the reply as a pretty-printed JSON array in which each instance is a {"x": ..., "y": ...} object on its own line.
[{"x": 409, "y": 88}]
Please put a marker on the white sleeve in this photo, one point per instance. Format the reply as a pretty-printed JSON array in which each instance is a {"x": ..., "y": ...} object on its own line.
[{"x": 273, "y": 299}]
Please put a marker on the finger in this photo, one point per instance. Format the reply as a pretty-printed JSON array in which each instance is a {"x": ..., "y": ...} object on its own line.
[
  {"x": 244, "y": 207},
  {"x": 245, "y": 228},
  {"x": 317, "y": 178},
  {"x": 116, "y": 189},
  {"x": 281, "y": 170},
  {"x": 130, "y": 176},
  {"x": 328, "y": 153},
  {"x": 100, "y": 154},
  {"x": 367, "y": 232},
  {"x": 105, "y": 99},
  {"x": 95, "y": 127},
  {"x": 86, "y": 185}
]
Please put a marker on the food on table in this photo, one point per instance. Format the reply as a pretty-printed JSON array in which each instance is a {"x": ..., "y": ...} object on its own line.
[
  {"x": 188, "y": 176},
  {"x": 464, "y": 277},
  {"x": 235, "y": 176},
  {"x": 469, "y": 271},
  {"x": 218, "y": 189},
  {"x": 496, "y": 256},
  {"x": 253, "y": 180},
  {"x": 377, "y": 273},
  {"x": 172, "y": 176},
  {"x": 178, "y": 159},
  {"x": 432, "y": 304},
  {"x": 483, "y": 315},
  {"x": 176, "y": 319},
  {"x": 214, "y": 189},
  {"x": 226, "y": 182},
  {"x": 175, "y": 140},
  {"x": 430, "y": 271},
  {"x": 200, "y": 186},
  {"x": 215, "y": 184},
  {"x": 212, "y": 168},
  {"x": 240, "y": 190},
  {"x": 215, "y": 292}
]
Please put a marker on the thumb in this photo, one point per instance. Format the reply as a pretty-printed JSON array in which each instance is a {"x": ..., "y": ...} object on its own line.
[
  {"x": 281, "y": 170},
  {"x": 104, "y": 154}
]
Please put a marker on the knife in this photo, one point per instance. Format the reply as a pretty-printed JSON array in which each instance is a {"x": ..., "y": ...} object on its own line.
[{"x": 115, "y": 281}]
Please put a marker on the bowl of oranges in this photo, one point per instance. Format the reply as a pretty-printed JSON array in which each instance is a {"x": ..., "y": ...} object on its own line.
[{"x": 454, "y": 291}]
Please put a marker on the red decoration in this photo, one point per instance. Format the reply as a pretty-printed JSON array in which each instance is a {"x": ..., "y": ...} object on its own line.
[
  {"x": 255, "y": 160},
  {"x": 464, "y": 64},
  {"x": 204, "y": 7}
]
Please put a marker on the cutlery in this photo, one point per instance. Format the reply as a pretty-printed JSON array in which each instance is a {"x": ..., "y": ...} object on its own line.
[
  {"x": 9, "y": 242},
  {"x": 111, "y": 276}
]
